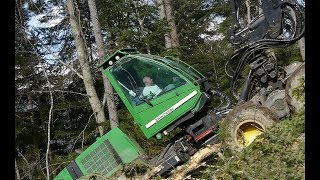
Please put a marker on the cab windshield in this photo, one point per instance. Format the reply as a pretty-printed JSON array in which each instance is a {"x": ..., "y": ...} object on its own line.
[
  {"x": 182, "y": 68},
  {"x": 142, "y": 80}
]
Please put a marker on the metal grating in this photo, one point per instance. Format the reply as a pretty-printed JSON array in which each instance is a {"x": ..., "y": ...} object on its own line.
[{"x": 102, "y": 160}]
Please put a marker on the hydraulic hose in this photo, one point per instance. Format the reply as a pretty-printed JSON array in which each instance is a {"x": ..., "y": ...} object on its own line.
[
  {"x": 164, "y": 151},
  {"x": 224, "y": 97}
]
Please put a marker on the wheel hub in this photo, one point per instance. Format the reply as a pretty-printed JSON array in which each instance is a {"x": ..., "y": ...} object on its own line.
[{"x": 248, "y": 132}]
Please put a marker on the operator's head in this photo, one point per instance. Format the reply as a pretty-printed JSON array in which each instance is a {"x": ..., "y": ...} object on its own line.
[{"x": 147, "y": 80}]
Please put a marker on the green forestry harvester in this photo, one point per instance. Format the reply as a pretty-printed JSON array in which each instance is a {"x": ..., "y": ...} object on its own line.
[{"x": 164, "y": 94}]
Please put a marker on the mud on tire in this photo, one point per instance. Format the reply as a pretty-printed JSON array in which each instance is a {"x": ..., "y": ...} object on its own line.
[{"x": 245, "y": 123}]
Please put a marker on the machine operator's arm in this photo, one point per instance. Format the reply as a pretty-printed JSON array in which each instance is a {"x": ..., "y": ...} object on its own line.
[{"x": 130, "y": 91}]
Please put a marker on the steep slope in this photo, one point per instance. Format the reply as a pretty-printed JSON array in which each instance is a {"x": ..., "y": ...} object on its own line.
[{"x": 277, "y": 154}]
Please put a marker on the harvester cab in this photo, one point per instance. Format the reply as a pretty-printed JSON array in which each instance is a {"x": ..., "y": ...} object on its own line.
[
  {"x": 163, "y": 93},
  {"x": 175, "y": 89}
]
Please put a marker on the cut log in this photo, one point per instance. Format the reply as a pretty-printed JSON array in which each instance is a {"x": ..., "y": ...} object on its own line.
[{"x": 195, "y": 161}]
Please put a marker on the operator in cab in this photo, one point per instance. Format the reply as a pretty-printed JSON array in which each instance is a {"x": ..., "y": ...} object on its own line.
[{"x": 150, "y": 90}]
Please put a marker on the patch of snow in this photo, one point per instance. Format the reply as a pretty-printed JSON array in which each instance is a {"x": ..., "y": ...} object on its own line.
[
  {"x": 217, "y": 37},
  {"x": 55, "y": 14},
  {"x": 25, "y": 5}
]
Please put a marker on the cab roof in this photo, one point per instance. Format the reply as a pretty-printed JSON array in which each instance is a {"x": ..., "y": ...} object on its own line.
[{"x": 110, "y": 60}]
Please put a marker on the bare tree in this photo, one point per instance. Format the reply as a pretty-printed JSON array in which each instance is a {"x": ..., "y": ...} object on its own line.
[
  {"x": 49, "y": 124},
  {"x": 108, "y": 91},
  {"x": 95, "y": 103},
  {"x": 49, "y": 136}
]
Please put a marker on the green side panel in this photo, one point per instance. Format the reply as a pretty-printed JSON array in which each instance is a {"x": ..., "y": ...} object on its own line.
[
  {"x": 101, "y": 157},
  {"x": 106, "y": 155},
  {"x": 126, "y": 148},
  {"x": 63, "y": 175},
  {"x": 165, "y": 111}
]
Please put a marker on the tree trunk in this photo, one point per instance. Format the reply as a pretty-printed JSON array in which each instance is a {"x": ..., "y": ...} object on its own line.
[
  {"x": 301, "y": 45},
  {"x": 95, "y": 103},
  {"x": 162, "y": 10},
  {"x": 108, "y": 91},
  {"x": 172, "y": 24}
]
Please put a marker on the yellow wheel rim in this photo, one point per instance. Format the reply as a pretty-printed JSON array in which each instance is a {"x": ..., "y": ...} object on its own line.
[{"x": 248, "y": 132}]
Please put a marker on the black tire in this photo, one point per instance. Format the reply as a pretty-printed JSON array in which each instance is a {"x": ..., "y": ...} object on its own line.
[
  {"x": 296, "y": 103},
  {"x": 245, "y": 123}
]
